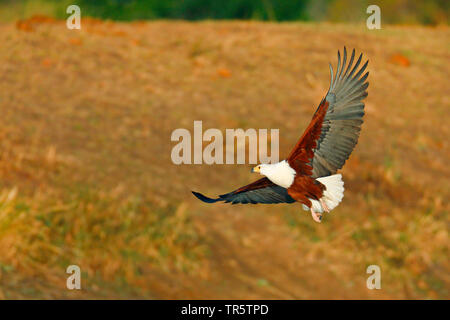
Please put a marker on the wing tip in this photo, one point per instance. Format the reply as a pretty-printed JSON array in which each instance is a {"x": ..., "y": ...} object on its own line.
[
  {"x": 204, "y": 198},
  {"x": 338, "y": 79}
]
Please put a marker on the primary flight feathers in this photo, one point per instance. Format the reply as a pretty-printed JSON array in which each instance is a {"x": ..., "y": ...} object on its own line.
[{"x": 323, "y": 148}]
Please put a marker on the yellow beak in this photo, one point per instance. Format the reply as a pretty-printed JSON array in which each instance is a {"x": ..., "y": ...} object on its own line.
[{"x": 256, "y": 169}]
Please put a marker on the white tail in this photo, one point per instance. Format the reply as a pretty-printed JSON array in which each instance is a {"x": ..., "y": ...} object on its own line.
[{"x": 333, "y": 194}]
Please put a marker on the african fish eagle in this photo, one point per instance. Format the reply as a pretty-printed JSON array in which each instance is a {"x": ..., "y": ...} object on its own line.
[{"x": 308, "y": 175}]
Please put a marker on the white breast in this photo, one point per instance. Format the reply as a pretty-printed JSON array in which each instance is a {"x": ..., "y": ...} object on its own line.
[{"x": 279, "y": 173}]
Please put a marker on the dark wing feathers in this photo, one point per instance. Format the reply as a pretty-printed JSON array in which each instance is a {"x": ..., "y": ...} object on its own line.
[
  {"x": 342, "y": 122},
  {"x": 260, "y": 191}
]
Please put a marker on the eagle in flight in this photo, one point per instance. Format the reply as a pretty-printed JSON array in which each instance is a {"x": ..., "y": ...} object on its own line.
[{"x": 308, "y": 175}]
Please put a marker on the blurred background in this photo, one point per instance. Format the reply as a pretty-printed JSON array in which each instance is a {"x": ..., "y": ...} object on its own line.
[
  {"x": 86, "y": 176},
  {"x": 394, "y": 11}
]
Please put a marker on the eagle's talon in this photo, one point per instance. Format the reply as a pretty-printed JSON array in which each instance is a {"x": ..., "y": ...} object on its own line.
[{"x": 317, "y": 217}]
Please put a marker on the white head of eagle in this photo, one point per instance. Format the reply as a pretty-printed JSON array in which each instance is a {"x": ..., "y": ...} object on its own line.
[{"x": 279, "y": 173}]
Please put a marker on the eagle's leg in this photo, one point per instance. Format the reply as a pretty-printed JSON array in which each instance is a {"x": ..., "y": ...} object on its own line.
[
  {"x": 324, "y": 205},
  {"x": 317, "y": 217}
]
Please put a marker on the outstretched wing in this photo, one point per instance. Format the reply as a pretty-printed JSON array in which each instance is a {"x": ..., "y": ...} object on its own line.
[
  {"x": 260, "y": 191},
  {"x": 334, "y": 130}
]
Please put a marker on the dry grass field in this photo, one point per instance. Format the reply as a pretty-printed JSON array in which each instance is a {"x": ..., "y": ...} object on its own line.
[{"x": 86, "y": 176}]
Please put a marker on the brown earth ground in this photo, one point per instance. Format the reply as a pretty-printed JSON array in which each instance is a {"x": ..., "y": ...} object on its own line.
[{"x": 87, "y": 178}]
